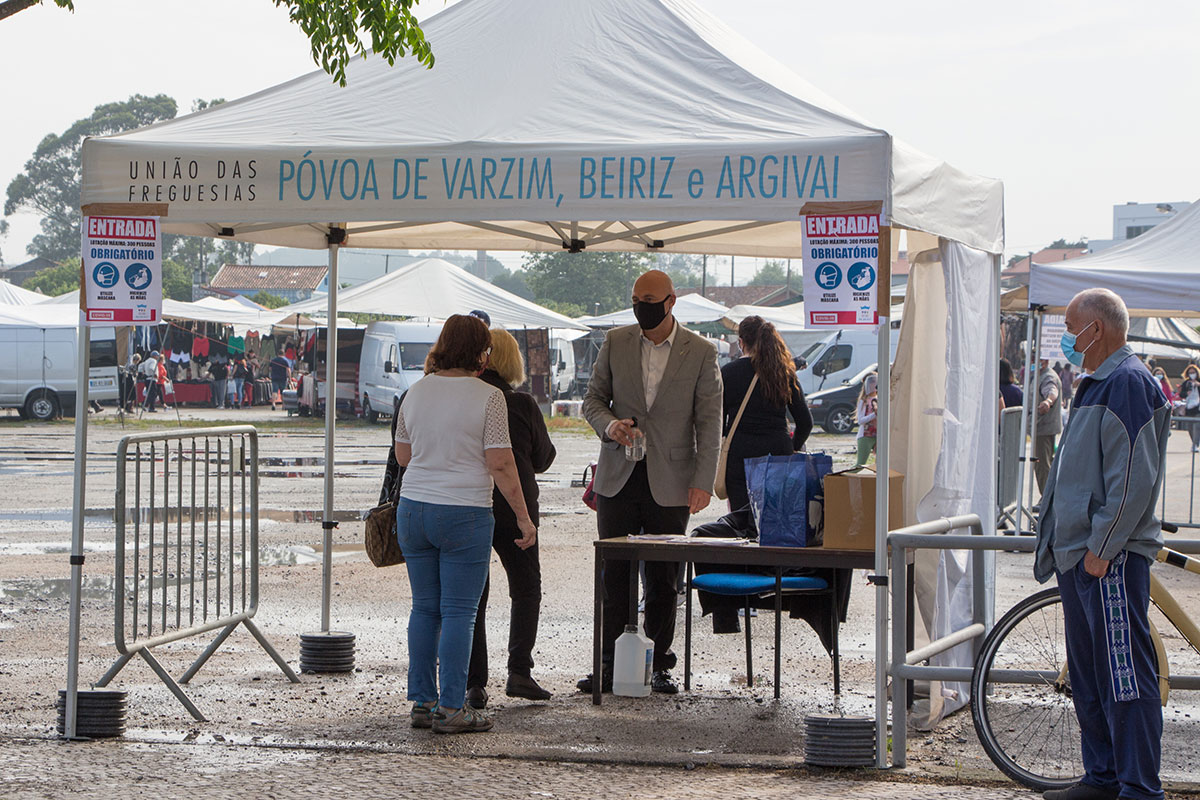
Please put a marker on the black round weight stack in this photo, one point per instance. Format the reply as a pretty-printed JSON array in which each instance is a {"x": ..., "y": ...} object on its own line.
[
  {"x": 832, "y": 740},
  {"x": 327, "y": 651},
  {"x": 98, "y": 713}
]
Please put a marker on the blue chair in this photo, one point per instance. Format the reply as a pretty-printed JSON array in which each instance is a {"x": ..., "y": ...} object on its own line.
[{"x": 750, "y": 586}]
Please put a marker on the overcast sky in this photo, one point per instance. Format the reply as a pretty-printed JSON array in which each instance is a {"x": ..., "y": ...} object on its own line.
[{"x": 1076, "y": 105}]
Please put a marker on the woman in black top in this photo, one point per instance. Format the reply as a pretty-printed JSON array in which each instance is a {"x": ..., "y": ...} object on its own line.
[
  {"x": 533, "y": 453},
  {"x": 763, "y": 429}
]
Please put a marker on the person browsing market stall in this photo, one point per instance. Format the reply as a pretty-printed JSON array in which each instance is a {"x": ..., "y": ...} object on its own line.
[
  {"x": 1098, "y": 535},
  {"x": 656, "y": 390}
]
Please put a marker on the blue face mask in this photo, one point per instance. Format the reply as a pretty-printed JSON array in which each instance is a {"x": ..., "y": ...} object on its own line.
[{"x": 1068, "y": 346}]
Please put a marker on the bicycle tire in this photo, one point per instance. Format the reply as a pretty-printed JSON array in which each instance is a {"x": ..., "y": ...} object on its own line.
[{"x": 1027, "y": 727}]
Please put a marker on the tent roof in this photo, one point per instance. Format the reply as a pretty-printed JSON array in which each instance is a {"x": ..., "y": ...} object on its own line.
[
  {"x": 1156, "y": 274},
  {"x": 619, "y": 124},
  {"x": 13, "y": 295},
  {"x": 690, "y": 309},
  {"x": 207, "y": 310},
  {"x": 434, "y": 288}
]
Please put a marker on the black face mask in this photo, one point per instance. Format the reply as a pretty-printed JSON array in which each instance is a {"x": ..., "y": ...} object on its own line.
[{"x": 650, "y": 315}]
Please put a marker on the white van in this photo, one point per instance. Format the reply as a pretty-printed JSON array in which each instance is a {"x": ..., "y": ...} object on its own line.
[
  {"x": 37, "y": 369},
  {"x": 562, "y": 369},
  {"x": 393, "y": 359},
  {"x": 840, "y": 356}
]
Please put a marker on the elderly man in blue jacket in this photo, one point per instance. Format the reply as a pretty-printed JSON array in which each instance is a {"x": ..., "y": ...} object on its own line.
[{"x": 1099, "y": 535}]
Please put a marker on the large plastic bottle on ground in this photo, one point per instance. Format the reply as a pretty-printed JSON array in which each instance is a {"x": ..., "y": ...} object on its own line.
[{"x": 632, "y": 662}]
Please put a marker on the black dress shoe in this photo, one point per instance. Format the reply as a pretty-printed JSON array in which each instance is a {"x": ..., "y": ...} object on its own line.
[
  {"x": 663, "y": 683},
  {"x": 1081, "y": 791},
  {"x": 526, "y": 687},
  {"x": 477, "y": 697},
  {"x": 585, "y": 684}
]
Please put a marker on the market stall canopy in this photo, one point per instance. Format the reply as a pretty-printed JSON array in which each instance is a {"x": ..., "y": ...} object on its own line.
[
  {"x": 1156, "y": 274},
  {"x": 785, "y": 318},
  {"x": 13, "y": 295},
  {"x": 690, "y": 309},
  {"x": 40, "y": 315},
  {"x": 237, "y": 302},
  {"x": 433, "y": 288},
  {"x": 599, "y": 124},
  {"x": 220, "y": 312}
]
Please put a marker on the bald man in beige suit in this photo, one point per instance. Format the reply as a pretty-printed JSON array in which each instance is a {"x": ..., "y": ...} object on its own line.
[{"x": 665, "y": 377}]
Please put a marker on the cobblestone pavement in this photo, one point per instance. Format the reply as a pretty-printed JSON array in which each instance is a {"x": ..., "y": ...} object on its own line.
[{"x": 47, "y": 769}]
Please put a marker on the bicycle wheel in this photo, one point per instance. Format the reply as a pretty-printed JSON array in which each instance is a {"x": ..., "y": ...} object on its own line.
[{"x": 1023, "y": 714}]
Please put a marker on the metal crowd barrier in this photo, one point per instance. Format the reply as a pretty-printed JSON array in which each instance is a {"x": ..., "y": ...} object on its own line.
[
  {"x": 906, "y": 665},
  {"x": 187, "y": 562},
  {"x": 1184, "y": 426}
]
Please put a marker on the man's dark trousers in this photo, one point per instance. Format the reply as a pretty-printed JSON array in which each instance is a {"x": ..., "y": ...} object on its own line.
[
  {"x": 1110, "y": 657},
  {"x": 633, "y": 511}
]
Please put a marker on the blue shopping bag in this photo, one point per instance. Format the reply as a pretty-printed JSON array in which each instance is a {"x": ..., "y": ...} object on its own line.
[{"x": 785, "y": 497}]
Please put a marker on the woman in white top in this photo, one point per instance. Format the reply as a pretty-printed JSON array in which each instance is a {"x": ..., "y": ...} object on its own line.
[{"x": 452, "y": 438}]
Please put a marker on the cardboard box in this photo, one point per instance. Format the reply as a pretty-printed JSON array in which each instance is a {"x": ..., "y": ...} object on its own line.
[{"x": 850, "y": 508}]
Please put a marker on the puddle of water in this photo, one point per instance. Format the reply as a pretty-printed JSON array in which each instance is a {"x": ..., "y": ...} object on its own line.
[{"x": 49, "y": 548}]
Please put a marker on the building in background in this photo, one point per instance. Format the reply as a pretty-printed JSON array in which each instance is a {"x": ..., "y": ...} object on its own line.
[
  {"x": 19, "y": 273},
  {"x": 1131, "y": 220},
  {"x": 292, "y": 283}
]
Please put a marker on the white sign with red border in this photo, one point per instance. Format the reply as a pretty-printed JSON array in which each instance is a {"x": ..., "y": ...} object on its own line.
[
  {"x": 841, "y": 256},
  {"x": 122, "y": 270}
]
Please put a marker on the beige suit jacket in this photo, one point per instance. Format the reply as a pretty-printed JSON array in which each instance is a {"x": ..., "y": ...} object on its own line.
[{"x": 683, "y": 427}]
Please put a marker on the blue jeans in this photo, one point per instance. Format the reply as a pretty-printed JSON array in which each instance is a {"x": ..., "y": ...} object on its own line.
[{"x": 447, "y": 550}]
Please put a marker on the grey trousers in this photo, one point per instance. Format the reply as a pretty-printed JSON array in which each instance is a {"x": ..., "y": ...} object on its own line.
[{"x": 1043, "y": 451}]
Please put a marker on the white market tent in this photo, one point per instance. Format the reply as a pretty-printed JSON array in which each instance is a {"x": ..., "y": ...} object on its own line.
[
  {"x": 13, "y": 295},
  {"x": 433, "y": 288},
  {"x": 643, "y": 125},
  {"x": 690, "y": 309},
  {"x": 1157, "y": 274},
  {"x": 217, "y": 311}
]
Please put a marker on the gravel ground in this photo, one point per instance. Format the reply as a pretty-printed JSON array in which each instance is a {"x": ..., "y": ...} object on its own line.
[{"x": 345, "y": 729}]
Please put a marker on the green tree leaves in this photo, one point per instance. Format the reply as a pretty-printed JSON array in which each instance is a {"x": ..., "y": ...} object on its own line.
[
  {"x": 265, "y": 298},
  {"x": 334, "y": 30},
  {"x": 584, "y": 279},
  {"x": 49, "y": 186},
  {"x": 771, "y": 273}
]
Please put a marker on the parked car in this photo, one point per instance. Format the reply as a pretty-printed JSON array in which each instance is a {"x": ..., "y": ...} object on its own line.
[{"x": 833, "y": 409}]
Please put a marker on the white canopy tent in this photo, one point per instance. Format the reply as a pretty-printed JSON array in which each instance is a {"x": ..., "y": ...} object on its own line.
[
  {"x": 641, "y": 125},
  {"x": 1157, "y": 274},
  {"x": 13, "y": 295},
  {"x": 690, "y": 309},
  {"x": 433, "y": 288},
  {"x": 207, "y": 310}
]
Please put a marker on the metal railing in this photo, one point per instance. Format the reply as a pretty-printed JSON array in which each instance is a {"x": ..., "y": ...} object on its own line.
[
  {"x": 1182, "y": 426},
  {"x": 906, "y": 665},
  {"x": 187, "y": 561}
]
